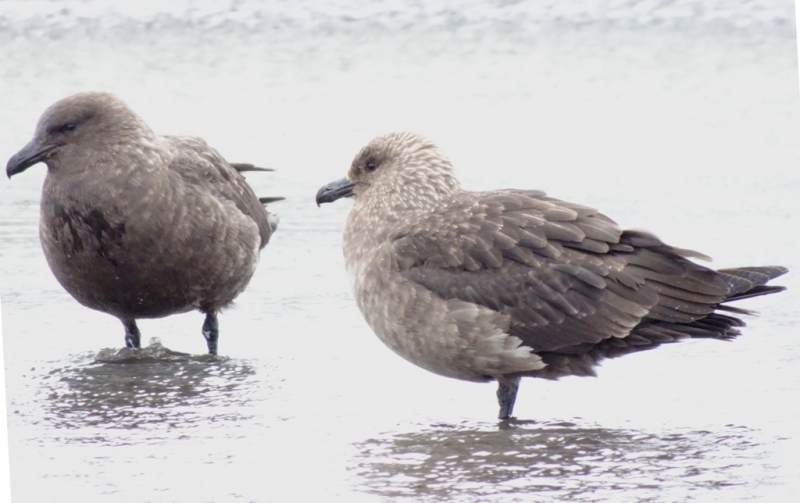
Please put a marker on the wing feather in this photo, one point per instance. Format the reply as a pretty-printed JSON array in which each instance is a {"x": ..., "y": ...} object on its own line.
[
  {"x": 567, "y": 276},
  {"x": 201, "y": 165}
]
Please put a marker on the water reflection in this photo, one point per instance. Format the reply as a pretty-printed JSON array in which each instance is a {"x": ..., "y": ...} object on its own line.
[
  {"x": 153, "y": 388},
  {"x": 551, "y": 461}
]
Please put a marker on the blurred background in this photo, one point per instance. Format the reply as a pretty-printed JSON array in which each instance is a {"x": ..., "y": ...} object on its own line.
[{"x": 680, "y": 117}]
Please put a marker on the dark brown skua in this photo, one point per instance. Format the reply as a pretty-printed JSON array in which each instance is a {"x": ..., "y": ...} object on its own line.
[
  {"x": 506, "y": 284},
  {"x": 138, "y": 225}
]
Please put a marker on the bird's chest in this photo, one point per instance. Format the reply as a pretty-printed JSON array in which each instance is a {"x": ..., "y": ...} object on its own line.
[
  {"x": 81, "y": 232},
  {"x": 87, "y": 224},
  {"x": 388, "y": 302}
]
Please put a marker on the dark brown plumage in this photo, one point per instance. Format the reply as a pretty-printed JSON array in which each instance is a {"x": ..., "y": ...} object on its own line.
[
  {"x": 512, "y": 283},
  {"x": 138, "y": 225}
]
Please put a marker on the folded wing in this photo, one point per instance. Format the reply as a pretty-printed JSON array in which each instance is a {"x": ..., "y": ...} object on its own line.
[
  {"x": 201, "y": 165},
  {"x": 567, "y": 276}
]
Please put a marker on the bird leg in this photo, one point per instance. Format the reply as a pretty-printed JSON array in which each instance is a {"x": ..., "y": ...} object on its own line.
[
  {"x": 132, "y": 335},
  {"x": 506, "y": 395},
  {"x": 211, "y": 332}
]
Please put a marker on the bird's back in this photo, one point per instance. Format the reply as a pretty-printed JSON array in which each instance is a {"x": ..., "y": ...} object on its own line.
[{"x": 202, "y": 167}]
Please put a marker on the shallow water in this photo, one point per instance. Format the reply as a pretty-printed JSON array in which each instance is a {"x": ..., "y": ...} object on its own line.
[{"x": 679, "y": 117}]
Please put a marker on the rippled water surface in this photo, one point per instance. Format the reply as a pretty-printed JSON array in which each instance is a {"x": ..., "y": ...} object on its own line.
[{"x": 679, "y": 117}]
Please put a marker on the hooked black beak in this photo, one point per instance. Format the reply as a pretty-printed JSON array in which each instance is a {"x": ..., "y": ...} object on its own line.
[
  {"x": 27, "y": 157},
  {"x": 335, "y": 190}
]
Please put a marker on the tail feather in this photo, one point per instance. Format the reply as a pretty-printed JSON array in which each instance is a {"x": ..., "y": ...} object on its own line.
[
  {"x": 770, "y": 271},
  {"x": 737, "y": 310},
  {"x": 747, "y": 282},
  {"x": 267, "y": 200},
  {"x": 756, "y": 291},
  {"x": 241, "y": 167},
  {"x": 743, "y": 283}
]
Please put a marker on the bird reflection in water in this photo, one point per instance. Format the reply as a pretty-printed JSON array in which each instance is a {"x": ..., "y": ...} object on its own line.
[
  {"x": 550, "y": 461},
  {"x": 153, "y": 387}
]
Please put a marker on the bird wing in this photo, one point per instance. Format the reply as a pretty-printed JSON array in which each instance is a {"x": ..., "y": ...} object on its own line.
[
  {"x": 201, "y": 165},
  {"x": 566, "y": 275}
]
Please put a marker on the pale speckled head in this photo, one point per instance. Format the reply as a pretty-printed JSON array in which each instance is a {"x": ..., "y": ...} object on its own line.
[
  {"x": 400, "y": 170},
  {"x": 79, "y": 126}
]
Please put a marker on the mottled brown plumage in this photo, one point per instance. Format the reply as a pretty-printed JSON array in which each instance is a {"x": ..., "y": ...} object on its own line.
[
  {"x": 511, "y": 283},
  {"x": 138, "y": 225}
]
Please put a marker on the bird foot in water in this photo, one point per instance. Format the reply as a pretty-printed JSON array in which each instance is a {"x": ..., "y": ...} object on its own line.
[
  {"x": 506, "y": 395},
  {"x": 211, "y": 332},
  {"x": 132, "y": 335}
]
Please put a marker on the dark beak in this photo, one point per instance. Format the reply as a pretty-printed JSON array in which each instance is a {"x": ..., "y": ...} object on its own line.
[
  {"x": 27, "y": 157},
  {"x": 335, "y": 190}
]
